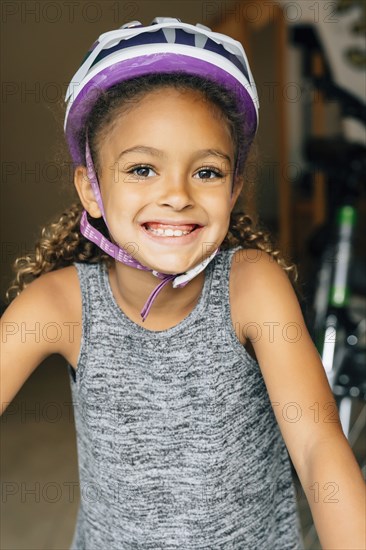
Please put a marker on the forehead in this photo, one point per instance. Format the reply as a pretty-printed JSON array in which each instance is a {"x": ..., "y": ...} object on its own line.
[
  {"x": 169, "y": 94},
  {"x": 168, "y": 119}
]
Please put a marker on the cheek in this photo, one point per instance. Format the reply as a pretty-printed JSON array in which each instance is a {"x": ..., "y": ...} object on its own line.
[
  {"x": 116, "y": 194},
  {"x": 122, "y": 208},
  {"x": 219, "y": 207}
]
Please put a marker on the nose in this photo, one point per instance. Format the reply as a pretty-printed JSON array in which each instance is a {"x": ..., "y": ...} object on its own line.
[{"x": 176, "y": 193}]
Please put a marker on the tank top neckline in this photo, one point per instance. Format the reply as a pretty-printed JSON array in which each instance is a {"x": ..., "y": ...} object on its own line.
[{"x": 199, "y": 308}]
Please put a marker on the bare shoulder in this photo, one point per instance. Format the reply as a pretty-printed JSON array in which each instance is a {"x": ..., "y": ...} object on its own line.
[
  {"x": 63, "y": 285},
  {"x": 56, "y": 292},
  {"x": 256, "y": 265},
  {"x": 44, "y": 319},
  {"x": 262, "y": 289},
  {"x": 52, "y": 304}
]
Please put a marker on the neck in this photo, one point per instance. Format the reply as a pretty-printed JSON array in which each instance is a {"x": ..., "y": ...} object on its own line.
[{"x": 131, "y": 288}]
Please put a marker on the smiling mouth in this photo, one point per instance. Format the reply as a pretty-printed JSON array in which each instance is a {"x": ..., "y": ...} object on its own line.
[{"x": 162, "y": 230}]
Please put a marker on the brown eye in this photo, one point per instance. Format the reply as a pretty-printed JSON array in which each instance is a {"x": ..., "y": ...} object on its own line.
[
  {"x": 141, "y": 171},
  {"x": 209, "y": 173}
]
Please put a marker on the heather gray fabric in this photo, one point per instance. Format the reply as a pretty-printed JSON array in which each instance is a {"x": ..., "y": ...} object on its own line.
[{"x": 178, "y": 445}]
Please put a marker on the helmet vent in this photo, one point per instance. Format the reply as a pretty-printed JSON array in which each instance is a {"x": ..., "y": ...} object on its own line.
[
  {"x": 169, "y": 35},
  {"x": 200, "y": 40}
]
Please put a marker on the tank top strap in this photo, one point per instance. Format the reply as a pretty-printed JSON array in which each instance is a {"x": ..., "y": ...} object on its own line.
[
  {"x": 225, "y": 294},
  {"x": 225, "y": 268},
  {"x": 90, "y": 305},
  {"x": 220, "y": 284}
]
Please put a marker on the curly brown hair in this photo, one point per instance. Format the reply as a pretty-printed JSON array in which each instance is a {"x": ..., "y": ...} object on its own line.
[{"x": 61, "y": 242}]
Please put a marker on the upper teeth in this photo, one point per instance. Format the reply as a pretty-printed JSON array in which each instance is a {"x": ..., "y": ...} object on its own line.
[{"x": 169, "y": 232}]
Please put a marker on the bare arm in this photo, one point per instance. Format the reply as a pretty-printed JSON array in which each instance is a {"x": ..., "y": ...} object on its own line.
[
  {"x": 303, "y": 403},
  {"x": 30, "y": 332},
  {"x": 335, "y": 490}
]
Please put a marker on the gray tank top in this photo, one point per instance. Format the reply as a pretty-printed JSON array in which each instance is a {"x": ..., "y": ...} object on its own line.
[{"x": 178, "y": 446}]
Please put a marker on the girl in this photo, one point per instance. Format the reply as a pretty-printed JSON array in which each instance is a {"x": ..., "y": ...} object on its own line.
[{"x": 187, "y": 396}]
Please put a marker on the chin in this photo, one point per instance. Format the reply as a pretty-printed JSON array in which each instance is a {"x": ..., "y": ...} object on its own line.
[{"x": 169, "y": 268}]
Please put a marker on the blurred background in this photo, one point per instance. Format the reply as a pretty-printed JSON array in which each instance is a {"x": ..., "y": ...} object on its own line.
[{"x": 308, "y": 61}]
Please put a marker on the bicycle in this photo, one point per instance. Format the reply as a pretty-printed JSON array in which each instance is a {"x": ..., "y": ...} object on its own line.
[{"x": 335, "y": 320}]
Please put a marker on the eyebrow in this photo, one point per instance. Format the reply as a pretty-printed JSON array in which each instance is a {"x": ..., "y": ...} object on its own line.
[{"x": 157, "y": 153}]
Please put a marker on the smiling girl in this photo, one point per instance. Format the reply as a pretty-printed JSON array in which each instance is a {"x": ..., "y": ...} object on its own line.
[{"x": 184, "y": 391}]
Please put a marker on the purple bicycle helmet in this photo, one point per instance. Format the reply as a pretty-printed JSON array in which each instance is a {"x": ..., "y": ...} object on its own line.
[{"x": 165, "y": 46}]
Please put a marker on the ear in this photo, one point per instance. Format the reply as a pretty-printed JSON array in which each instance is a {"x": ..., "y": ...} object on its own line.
[
  {"x": 85, "y": 192},
  {"x": 238, "y": 186}
]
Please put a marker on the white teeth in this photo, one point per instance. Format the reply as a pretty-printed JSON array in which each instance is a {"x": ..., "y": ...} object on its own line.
[{"x": 168, "y": 232}]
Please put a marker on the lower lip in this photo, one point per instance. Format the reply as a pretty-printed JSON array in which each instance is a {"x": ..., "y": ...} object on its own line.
[{"x": 184, "y": 239}]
